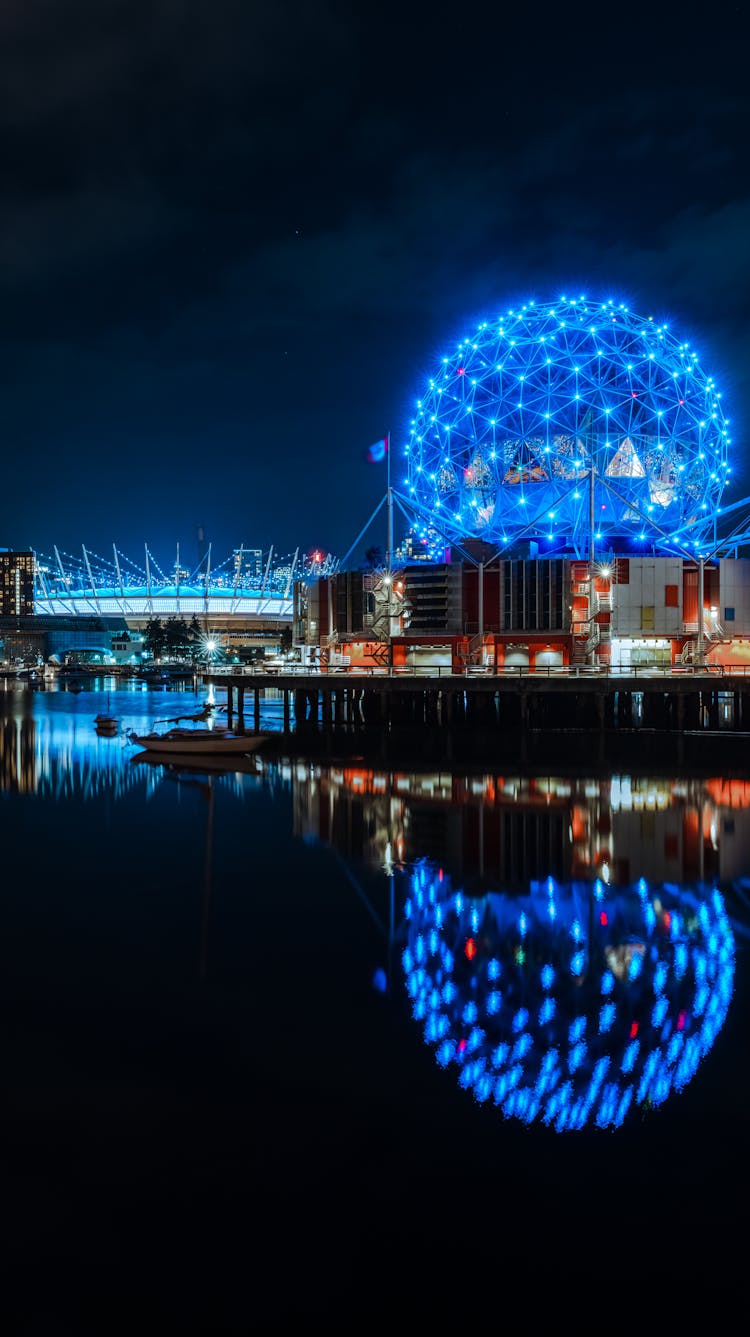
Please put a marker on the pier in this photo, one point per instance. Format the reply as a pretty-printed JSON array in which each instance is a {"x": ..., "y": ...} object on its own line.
[{"x": 692, "y": 716}]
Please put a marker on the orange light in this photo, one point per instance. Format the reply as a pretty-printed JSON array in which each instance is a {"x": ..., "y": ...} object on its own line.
[{"x": 470, "y": 949}]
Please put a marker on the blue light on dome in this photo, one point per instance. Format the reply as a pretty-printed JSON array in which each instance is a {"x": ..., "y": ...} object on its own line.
[{"x": 517, "y": 418}]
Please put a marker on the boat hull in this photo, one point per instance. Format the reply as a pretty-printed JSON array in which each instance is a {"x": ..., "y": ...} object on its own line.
[{"x": 197, "y": 743}]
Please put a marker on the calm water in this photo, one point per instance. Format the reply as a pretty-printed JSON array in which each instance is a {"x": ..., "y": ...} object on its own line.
[{"x": 220, "y": 1111}]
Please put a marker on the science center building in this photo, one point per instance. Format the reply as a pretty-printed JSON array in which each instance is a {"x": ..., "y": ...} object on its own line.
[
  {"x": 565, "y": 470},
  {"x": 562, "y": 483}
]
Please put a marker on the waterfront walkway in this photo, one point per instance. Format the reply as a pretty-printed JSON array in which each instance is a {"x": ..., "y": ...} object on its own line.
[{"x": 683, "y": 716}]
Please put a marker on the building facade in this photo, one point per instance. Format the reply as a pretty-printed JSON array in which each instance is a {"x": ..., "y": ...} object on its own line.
[
  {"x": 530, "y": 612},
  {"x": 16, "y": 583}
]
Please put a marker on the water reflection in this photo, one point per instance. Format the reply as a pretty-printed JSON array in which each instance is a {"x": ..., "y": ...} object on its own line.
[
  {"x": 509, "y": 830},
  {"x": 574, "y": 1002},
  {"x": 566, "y": 945}
]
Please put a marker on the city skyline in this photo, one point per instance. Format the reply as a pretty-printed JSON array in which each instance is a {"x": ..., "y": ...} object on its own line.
[{"x": 234, "y": 246}]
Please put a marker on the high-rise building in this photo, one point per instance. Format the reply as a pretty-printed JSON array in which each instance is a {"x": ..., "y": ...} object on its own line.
[
  {"x": 16, "y": 583},
  {"x": 248, "y": 567}
]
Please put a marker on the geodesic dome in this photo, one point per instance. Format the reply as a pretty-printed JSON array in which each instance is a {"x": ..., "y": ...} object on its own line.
[{"x": 514, "y": 420}]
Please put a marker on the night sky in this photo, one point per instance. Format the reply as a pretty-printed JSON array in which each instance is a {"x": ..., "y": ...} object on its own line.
[{"x": 235, "y": 238}]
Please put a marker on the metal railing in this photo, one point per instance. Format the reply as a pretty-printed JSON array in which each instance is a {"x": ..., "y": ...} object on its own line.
[{"x": 486, "y": 671}]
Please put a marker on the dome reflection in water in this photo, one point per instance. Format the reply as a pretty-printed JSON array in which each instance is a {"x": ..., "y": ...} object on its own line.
[{"x": 573, "y": 1004}]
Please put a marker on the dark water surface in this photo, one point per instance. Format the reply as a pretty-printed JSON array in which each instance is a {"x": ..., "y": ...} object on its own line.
[{"x": 221, "y": 1116}]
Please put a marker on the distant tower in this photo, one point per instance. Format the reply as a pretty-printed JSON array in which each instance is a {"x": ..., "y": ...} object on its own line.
[{"x": 201, "y": 546}]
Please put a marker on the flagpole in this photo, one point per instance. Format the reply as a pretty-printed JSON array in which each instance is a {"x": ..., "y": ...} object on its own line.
[{"x": 389, "y": 549}]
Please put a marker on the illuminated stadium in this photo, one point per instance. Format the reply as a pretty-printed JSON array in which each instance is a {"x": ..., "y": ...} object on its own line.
[
  {"x": 246, "y": 584},
  {"x": 570, "y": 423}
]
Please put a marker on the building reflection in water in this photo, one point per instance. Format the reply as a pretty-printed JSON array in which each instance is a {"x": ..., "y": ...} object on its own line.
[
  {"x": 564, "y": 944},
  {"x": 573, "y": 1003},
  {"x": 59, "y": 756},
  {"x": 509, "y": 830}
]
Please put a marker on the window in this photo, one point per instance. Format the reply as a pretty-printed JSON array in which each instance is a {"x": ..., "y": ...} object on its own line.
[
  {"x": 671, "y": 596},
  {"x": 647, "y": 617},
  {"x": 729, "y": 615}
]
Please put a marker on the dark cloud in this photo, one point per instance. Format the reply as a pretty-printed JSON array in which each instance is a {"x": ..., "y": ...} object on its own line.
[{"x": 234, "y": 238}]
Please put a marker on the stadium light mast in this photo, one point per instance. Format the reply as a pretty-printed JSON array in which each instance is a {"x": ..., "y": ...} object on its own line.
[
  {"x": 119, "y": 573},
  {"x": 205, "y": 588},
  {"x": 290, "y": 577},
  {"x": 148, "y": 582},
  {"x": 61, "y": 569},
  {"x": 91, "y": 579},
  {"x": 268, "y": 568}
]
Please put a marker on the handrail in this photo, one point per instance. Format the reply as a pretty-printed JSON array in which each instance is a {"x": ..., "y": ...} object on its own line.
[{"x": 564, "y": 671}]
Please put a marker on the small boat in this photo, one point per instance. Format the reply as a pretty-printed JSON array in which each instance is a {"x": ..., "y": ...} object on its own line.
[
  {"x": 196, "y": 742},
  {"x": 106, "y": 722},
  {"x": 106, "y": 725}
]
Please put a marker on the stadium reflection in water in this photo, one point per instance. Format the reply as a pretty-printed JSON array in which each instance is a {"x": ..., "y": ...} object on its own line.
[{"x": 565, "y": 945}]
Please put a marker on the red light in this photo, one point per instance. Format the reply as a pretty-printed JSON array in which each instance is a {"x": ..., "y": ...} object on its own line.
[
  {"x": 603, "y": 920},
  {"x": 461, "y": 371},
  {"x": 633, "y": 1029},
  {"x": 470, "y": 949},
  {"x": 461, "y": 1046},
  {"x": 667, "y": 919},
  {"x": 635, "y": 394},
  {"x": 682, "y": 401}
]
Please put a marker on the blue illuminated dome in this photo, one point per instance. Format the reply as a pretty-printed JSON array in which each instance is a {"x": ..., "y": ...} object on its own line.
[
  {"x": 509, "y": 427},
  {"x": 571, "y": 1005}
]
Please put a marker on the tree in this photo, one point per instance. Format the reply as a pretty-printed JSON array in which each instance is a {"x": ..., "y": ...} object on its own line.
[
  {"x": 194, "y": 639},
  {"x": 176, "y": 637},
  {"x": 154, "y": 638}
]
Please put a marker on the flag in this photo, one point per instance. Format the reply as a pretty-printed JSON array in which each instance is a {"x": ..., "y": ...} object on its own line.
[{"x": 377, "y": 452}]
